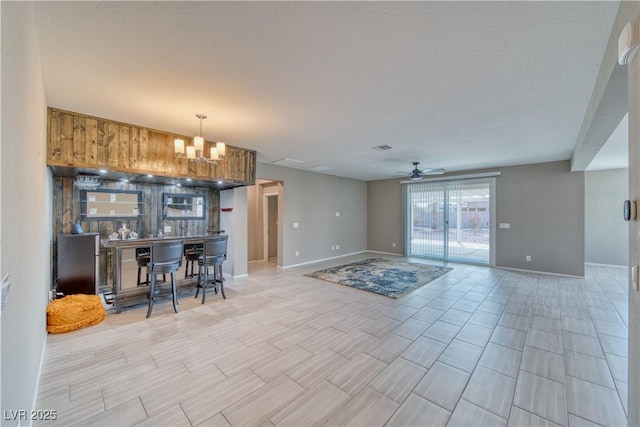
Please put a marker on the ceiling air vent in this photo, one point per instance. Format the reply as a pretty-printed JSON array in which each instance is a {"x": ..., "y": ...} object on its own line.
[
  {"x": 287, "y": 162},
  {"x": 382, "y": 147}
]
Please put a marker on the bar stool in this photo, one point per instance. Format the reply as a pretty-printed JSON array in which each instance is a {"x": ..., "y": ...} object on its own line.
[
  {"x": 166, "y": 257},
  {"x": 214, "y": 254},
  {"x": 191, "y": 254},
  {"x": 143, "y": 256}
]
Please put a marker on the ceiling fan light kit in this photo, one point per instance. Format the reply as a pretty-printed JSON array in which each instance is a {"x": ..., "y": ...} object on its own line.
[{"x": 417, "y": 174}]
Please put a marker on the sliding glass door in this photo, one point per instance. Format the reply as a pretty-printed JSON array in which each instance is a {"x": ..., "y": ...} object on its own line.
[{"x": 449, "y": 220}]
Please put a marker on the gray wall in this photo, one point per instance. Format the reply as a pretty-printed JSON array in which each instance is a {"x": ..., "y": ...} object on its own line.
[
  {"x": 25, "y": 226},
  {"x": 312, "y": 200},
  {"x": 606, "y": 233},
  {"x": 384, "y": 221},
  {"x": 544, "y": 204}
]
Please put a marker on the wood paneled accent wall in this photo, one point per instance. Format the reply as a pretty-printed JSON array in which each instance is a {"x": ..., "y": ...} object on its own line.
[{"x": 80, "y": 141}]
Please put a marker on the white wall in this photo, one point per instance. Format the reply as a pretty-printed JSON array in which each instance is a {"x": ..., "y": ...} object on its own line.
[
  {"x": 633, "y": 404},
  {"x": 25, "y": 230},
  {"x": 235, "y": 225},
  {"x": 311, "y": 200},
  {"x": 605, "y": 231}
]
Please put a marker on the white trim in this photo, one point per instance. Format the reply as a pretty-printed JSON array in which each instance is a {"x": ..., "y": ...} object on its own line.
[
  {"x": 493, "y": 218},
  {"x": 387, "y": 253},
  {"x": 606, "y": 265},
  {"x": 240, "y": 276},
  {"x": 324, "y": 259},
  {"x": 454, "y": 177},
  {"x": 547, "y": 273},
  {"x": 35, "y": 394}
]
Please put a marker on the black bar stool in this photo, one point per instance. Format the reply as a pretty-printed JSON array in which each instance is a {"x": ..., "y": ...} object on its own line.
[
  {"x": 191, "y": 254},
  {"x": 214, "y": 254},
  {"x": 143, "y": 256},
  {"x": 166, "y": 257}
]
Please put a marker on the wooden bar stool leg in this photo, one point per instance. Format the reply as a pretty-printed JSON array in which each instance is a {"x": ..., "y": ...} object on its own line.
[
  {"x": 174, "y": 292},
  {"x": 199, "y": 284},
  {"x": 215, "y": 279},
  {"x": 204, "y": 283},
  {"x": 152, "y": 289},
  {"x": 221, "y": 282}
]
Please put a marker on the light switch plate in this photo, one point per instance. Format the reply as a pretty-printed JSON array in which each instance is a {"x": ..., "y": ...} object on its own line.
[{"x": 504, "y": 225}]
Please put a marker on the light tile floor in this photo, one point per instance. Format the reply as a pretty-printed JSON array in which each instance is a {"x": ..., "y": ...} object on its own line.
[{"x": 477, "y": 346}]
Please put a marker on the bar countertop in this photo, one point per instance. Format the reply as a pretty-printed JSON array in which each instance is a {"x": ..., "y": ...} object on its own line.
[{"x": 147, "y": 241}]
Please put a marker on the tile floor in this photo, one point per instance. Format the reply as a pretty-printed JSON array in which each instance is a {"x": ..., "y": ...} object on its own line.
[{"x": 477, "y": 346}]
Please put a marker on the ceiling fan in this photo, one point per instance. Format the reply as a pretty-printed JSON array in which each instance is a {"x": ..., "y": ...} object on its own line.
[{"x": 417, "y": 174}]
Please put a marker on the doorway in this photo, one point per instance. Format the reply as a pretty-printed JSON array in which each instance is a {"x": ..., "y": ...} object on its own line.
[
  {"x": 270, "y": 227},
  {"x": 450, "y": 220},
  {"x": 264, "y": 218}
]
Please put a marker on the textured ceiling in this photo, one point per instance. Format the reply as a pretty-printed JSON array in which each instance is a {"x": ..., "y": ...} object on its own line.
[{"x": 454, "y": 85}]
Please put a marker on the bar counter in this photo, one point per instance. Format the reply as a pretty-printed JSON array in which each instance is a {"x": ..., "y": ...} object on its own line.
[{"x": 138, "y": 295}]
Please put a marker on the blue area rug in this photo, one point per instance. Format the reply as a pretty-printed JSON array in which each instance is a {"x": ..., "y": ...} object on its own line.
[{"x": 382, "y": 276}]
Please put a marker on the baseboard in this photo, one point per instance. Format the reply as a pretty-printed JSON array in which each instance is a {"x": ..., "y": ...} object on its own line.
[
  {"x": 606, "y": 265},
  {"x": 35, "y": 394},
  {"x": 321, "y": 260},
  {"x": 386, "y": 253},
  {"x": 547, "y": 273},
  {"x": 239, "y": 276}
]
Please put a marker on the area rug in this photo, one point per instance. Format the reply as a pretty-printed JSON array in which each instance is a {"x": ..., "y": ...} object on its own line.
[{"x": 382, "y": 276}]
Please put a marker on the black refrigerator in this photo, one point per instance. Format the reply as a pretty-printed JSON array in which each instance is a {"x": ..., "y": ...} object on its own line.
[{"x": 77, "y": 263}]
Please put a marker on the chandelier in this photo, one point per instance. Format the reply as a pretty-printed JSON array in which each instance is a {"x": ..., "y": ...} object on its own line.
[
  {"x": 195, "y": 152},
  {"x": 87, "y": 182}
]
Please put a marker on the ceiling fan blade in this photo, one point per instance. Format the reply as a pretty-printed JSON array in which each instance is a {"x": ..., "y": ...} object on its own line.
[{"x": 433, "y": 172}]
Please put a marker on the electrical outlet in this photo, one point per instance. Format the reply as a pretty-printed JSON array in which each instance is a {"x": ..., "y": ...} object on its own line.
[
  {"x": 333, "y": 248},
  {"x": 528, "y": 258},
  {"x": 393, "y": 245},
  {"x": 337, "y": 213},
  {"x": 297, "y": 253},
  {"x": 337, "y": 247},
  {"x": 296, "y": 225}
]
